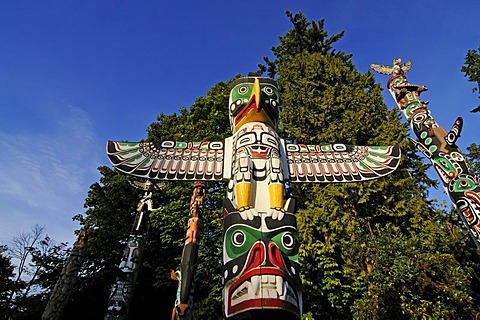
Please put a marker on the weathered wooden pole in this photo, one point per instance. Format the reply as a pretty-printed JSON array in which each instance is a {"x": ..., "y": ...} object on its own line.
[{"x": 63, "y": 288}]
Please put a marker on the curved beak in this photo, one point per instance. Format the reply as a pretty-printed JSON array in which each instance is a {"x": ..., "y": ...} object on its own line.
[{"x": 255, "y": 97}]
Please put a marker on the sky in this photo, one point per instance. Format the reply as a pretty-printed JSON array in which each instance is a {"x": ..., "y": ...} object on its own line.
[{"x": 74, "y": 74}]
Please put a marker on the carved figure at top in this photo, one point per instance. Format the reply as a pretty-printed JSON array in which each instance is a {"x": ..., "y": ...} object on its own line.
[
  {"x": 261, "y": 271},
  {"x": 396, "y": 68}
]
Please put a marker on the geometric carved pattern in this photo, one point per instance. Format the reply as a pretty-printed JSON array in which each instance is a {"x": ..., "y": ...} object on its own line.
[
  {"x": 168, "y": 160},
  {"x": 339, "y": 162}
]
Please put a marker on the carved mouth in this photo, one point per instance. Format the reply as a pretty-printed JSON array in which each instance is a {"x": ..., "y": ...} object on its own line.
[
  {"x": 265, "y": 287},
  {"x": 255, "y": 290},
  {"x": 250, "y": 107},
  {"x": 445, "y": 176}
]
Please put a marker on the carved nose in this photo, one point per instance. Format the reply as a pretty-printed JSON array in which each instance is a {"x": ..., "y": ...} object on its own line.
[
  {"x": 256, "y": 257},
  {"x": 275, "y": 256},
  {"x": 259, "y": 256}
]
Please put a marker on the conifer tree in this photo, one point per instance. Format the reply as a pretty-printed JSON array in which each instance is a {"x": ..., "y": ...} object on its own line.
[{"x": 375, "y": 249}]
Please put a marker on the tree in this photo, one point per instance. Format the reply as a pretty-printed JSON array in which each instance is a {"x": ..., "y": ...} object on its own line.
[
  {"x": 473, "y": 157},
  {"x": 36, "y": 256},
  {"x": 206, "y": 120},
  {"x": 472, "y": 70},
  {"x": 111, "y": 204},
  {"x": 353, "y": 233},
  {"x": 6, "y": 279}
]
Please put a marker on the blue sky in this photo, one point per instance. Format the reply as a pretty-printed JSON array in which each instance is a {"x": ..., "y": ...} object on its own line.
[{"x": 74, "y": 74}]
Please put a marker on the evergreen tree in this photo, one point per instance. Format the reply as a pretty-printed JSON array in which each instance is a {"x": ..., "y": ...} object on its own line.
[
  {"x": 472, "y": 70},
  {"x": 206, "y": 120},
  {"x": 376, "y": 249},
  {"x": 6, "y": 279},
  {"x": 473, "y": 157},
  {"x": 363, "y": 244}
]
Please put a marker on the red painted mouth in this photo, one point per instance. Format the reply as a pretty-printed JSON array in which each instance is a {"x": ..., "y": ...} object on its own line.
[{"x": 263, "y": 288}]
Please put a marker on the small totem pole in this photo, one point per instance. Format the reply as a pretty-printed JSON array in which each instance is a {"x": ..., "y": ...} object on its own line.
[
  {"x": 261, "y": 271},
  {"x": 187, "y": 275},
  {"x": 438, "y": 145},
  {"x": 121, "y": 292},
  {"x": 63, "y": 288}
]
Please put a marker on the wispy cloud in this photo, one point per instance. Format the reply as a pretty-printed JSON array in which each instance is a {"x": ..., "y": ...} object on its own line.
[{"x": 45, "y": 175}]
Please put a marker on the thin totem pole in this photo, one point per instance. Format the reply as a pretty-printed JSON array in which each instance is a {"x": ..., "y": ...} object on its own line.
[
  {"x": 63, "y": 288},
  {"x": 187, "y": 275},
  {"x": 438, "y": 145},
  {"x": 121, "y": 292},
  {"x": 261, "y": 272}
]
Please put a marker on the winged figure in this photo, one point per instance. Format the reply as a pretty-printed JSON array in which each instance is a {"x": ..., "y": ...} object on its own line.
[
  {"x": 395, "y": 69},
  {"x": 261, "y": 269}
]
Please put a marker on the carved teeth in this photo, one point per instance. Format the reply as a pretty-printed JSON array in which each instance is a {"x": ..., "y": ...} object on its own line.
[
  {"x": 255, "y": 285},
  {"x": 265, "y": 286}
]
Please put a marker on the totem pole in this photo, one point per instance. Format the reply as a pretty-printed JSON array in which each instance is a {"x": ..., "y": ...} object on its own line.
[
  {"x": 121, "y": 292},
  {"x": 438, "y": 145},
  {"x": 261, "y": 272},
  {"x": 63, "y": 288},
  {"x": 187, "y": 275}
]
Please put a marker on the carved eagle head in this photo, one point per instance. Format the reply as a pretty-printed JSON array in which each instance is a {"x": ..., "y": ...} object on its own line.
[{"x": 254, "y": 99}]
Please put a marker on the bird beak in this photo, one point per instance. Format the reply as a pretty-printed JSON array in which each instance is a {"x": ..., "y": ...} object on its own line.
[{"x": 255, "y": 97}]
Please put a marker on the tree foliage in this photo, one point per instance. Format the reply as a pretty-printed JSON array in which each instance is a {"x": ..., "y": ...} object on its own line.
[
  {"x": 472, "y": 70},
  {"x": 364, "y": 244}
]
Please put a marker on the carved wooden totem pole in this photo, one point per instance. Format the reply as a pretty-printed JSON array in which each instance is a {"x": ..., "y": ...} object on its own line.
[
  {"x": 261, "y": 272},
  {"x": 438, "y": 145},
  {"x": 187, "y": 275},
  {"x": 121, "y": 292},
  {"x": 63, "y": 288}
]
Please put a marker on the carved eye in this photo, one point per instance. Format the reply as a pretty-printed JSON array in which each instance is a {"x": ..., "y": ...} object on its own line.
[
  {"x": 268, "y": 90},
  {"x": 243, "y": 90},
  {"x": 238, "y": 238},
  {"x": 288, "y": 241}
]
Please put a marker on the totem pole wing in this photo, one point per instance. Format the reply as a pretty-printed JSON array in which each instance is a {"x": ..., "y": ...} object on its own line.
[
  {"x": 168, "y": 160},
  {"x": 340, "y": 162},
  {"x": 381, "y": 68}
]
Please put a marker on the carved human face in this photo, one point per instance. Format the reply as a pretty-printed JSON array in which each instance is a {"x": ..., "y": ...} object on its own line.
[{"x": 261, "y": 269}]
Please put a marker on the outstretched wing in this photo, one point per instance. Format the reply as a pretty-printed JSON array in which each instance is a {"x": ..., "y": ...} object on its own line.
[
  {"x": 168, "y": 160},
  {"x": 406, "y": 66},
  {"x": 381, "y": 68},
  {"x": 340, "y": 162}
]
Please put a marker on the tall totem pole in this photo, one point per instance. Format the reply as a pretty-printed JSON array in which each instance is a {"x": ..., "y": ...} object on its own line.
[
  {"x": 261, "y": 271},
  {"x": 121, "y": 292},
  {"x": 188, "y": 274},
  {"x": 438, "y": 145},
  {"x": 68, "y": 277}
]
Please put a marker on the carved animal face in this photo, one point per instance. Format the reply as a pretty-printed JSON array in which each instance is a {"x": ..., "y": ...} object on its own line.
[
  {"x": 261, "y": 269},
  {"x": 254, "y": 100}
]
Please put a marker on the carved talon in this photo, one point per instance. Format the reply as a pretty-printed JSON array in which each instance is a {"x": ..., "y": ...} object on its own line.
[
  {"x": 247, "y": 213},
  {"x": 277, "y": 213}
]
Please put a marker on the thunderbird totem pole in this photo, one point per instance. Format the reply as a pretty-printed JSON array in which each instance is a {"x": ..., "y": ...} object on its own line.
[
  {"x": 261, "y": 272},
  {"x": 438, "y": 145}
]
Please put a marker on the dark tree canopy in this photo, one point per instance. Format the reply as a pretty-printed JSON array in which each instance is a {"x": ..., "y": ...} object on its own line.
[{"x": 472, "y": 70}]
